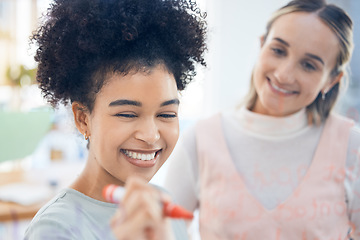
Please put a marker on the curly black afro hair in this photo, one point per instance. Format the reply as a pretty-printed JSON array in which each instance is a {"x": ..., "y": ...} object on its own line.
[{"x": 82, "y": 40}]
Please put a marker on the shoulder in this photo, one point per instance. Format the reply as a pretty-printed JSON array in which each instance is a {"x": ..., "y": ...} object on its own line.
[
  {"x": 340, "y": 119},
  {"x": 349, "y": 127},
  {"x": 53, "y": 219},
  {"x": 62, "y": 204},
  {"x": 337, "y": 126},
  {"x": 61, "y": 217}
]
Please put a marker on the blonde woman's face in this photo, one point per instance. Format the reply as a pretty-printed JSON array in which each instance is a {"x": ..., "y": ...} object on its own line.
[{"x": 295, "y": 64}]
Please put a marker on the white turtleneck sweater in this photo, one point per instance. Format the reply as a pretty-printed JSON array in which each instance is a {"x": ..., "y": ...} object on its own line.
[{"x": 279, "y": 150}]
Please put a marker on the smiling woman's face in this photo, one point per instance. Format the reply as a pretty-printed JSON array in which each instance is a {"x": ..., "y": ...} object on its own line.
[
  {"x": 134, "y": 125},
  {"x": 295, "y": 64}
]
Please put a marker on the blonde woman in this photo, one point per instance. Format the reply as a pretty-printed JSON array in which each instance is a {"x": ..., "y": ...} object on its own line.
[{"x": 282, "y": 166}]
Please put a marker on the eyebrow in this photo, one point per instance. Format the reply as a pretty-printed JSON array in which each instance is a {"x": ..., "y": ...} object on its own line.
[
  {"x": 121, "y": 102},
  {"x": 170, "y": 102},
  {"x": 282, "y": 41},
  {"x": 315, "y": 57},
  {"x": 307, "y": 54}
]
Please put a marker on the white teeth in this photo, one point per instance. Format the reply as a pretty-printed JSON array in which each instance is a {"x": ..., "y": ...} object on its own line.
[
  {"x": 140, "y": 156},
  {"x": 280, "y": 89}
]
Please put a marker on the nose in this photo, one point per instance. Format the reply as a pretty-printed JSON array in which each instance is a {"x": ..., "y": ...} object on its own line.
[
  {"x": 285, "y": 73},
  {"x": 148, "y": 131}
]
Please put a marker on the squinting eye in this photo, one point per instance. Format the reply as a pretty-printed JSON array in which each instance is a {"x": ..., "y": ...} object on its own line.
[
  {"x": 167, "y": 115},
  {"x": 125, "y": 115},
  {"x": 278, "y": 51},
  {"x": 308, "y": 66}
]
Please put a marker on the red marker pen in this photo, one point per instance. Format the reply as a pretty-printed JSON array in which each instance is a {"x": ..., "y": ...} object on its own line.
[{"x": 114, "y": 193}]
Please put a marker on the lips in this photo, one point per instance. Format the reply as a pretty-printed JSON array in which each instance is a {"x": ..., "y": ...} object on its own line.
[
  {"x": 143, "y": 159},
  {"x": 280, "y": 90},
  {"x": 140, "y": 156}
]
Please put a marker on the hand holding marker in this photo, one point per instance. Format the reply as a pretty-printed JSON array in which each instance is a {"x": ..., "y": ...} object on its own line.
[{"x": 114, "y": 193}]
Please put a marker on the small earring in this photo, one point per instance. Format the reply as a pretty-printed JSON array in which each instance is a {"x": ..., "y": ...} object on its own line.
[
  {"x": 86, "y": 136},
  {"x": 323, "y": 95}
]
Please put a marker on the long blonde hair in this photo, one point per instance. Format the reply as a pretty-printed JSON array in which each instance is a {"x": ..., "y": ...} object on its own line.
[{"x": 341, "y": 24}]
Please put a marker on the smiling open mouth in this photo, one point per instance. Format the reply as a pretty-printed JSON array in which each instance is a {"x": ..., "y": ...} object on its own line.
[
  {"x": 277, "y": 88},
  {"x": 140, "y": 156}
]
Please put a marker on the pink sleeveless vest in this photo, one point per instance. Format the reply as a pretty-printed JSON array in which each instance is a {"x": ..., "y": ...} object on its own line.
[{"x": 315, "y": 211}]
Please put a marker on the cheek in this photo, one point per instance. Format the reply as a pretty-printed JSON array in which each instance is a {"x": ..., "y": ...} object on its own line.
[
  {"x": 261, "y": 67},
  {"x": 176, "y": 136},
  {"x": 313, "y": 87},
  {"x": 258, "y": 76},
  {"x": 171, "y": 135},
  {"x": 310, "y": 97},
  {"x": 105, "y": 134},
  {"x": 99, "y": 130},
  {"x": 264, "y": 59}
]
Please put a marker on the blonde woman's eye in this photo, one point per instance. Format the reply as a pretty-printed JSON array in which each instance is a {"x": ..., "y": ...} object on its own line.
[
  {"x": 278, "y": 51},
  {"x": 308, "y": 66}
]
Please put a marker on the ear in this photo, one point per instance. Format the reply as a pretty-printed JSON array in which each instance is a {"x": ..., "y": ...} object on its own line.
[
  {"x": 81, "y": 118},
  {"x": 334, "y": 80}
]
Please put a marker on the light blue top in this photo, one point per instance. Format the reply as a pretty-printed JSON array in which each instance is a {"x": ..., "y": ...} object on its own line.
[{"x": 73, "y": 215}]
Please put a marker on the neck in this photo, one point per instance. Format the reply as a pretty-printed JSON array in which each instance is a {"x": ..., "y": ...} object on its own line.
[
  {"x": 271, "y": 126},
  {"x": 93, "y": 179}
]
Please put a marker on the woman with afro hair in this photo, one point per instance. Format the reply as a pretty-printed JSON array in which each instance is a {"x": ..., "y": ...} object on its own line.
[{"x": 120, "y": 65}]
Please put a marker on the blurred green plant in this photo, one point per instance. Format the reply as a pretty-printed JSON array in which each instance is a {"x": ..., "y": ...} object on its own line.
[{"x": 21, "y": 76}]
